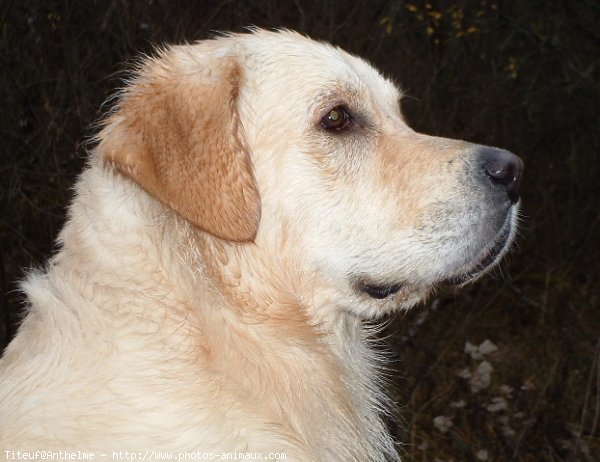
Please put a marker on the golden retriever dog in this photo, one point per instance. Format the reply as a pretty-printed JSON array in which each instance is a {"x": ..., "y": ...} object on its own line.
[{"x": 252, "y": 203}]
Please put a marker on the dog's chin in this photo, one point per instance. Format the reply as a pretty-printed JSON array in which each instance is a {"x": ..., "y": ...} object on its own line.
[{"x": 490, "y": 256}]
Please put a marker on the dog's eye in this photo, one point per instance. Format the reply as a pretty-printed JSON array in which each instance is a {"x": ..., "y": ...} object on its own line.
[{"x": 337, "y": 119}]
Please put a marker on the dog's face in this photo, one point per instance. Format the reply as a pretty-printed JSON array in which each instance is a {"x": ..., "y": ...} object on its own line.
[{"x": 327, "y": 173}]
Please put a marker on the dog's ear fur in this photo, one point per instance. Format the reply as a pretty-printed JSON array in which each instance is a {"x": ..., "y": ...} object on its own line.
[{"x": 176, "y": 132}]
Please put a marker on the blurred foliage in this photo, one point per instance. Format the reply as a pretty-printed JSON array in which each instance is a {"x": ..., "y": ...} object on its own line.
[{"x": 521, "y": 75}]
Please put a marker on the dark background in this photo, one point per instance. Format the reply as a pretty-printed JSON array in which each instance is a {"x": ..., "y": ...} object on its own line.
[{"x": 523, "y": 75}]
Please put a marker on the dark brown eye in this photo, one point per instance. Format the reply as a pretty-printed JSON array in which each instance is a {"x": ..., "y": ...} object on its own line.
[{"x": 337, "y": 119}]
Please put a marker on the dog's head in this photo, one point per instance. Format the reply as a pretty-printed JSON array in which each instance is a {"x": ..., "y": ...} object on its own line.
[{"x": 274, "y": 140}]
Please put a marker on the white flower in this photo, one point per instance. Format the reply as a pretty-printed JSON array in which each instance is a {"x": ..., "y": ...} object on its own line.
[
  {"x": 506, "y": 390},
  {"x": 481, "y": 378},
  {"x": 464, "y": 374},
  {"x": 507, "y": 431},
  {"x": 472, "y": 350},
  {"x": 505, "y": 428},
  {"x": 498, "y": 404},
  {"x": 482, "y": 455},
  {"x": 487, "y": 348},
  {"x": 478, "y": 352},
  {"x": 442, "y": 423}
]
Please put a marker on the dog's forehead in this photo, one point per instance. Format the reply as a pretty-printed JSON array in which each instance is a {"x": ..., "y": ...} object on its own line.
[{"x": 288, "y": 57}]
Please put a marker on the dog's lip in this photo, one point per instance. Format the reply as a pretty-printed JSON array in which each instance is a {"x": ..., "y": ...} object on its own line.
[
  {"x": 380, "y": 291},
  {"x": 488, "y": 257}
]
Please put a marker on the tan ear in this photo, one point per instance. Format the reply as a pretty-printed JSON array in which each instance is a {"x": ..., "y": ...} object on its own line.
[{"x": 176, "y": 132}]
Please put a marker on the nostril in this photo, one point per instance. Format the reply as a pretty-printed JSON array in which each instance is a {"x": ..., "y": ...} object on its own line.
[
  {"x": 503, "y": 168},
  {"x": 500, "y": 172}
]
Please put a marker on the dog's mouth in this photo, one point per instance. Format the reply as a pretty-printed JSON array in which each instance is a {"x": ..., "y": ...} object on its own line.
[
  {"x": 490, "y": 256},
  {"x": 486, "y": 260},
  {"x": 379, "y": 291}
]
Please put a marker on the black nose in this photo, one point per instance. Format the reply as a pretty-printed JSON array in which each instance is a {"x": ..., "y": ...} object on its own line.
[{"x": 503, "y": 169}]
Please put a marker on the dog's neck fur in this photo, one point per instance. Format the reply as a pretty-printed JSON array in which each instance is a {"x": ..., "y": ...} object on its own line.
[{"x": 311, "y": 378}]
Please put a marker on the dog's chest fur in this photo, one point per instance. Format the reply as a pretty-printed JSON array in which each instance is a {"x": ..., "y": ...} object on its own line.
[{"x": 163, "y": 359}]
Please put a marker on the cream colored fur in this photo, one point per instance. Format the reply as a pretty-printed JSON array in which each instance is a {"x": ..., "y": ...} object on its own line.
[{"x": 195, "y": 312}]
